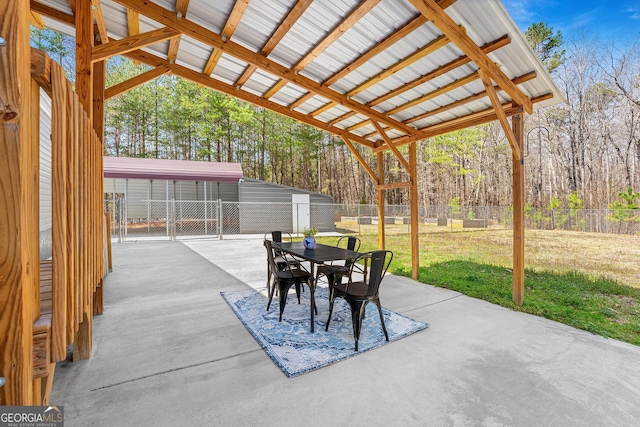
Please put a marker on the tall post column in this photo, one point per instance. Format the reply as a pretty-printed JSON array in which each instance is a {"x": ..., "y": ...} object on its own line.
[
  {"x": 381, "y": 236},
  {"x": 413, "y": 200},
  {"x": 19, "y": 262},
  {"x": 517, "y": 124}
]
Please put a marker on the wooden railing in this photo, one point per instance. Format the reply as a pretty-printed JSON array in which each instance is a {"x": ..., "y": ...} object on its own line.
[{"x": 71, "y": 282}]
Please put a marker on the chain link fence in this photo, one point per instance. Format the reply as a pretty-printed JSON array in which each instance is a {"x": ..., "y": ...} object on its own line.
[{"x": 171, "y": 219}]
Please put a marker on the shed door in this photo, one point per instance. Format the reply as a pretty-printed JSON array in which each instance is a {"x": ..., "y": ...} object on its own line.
[{"x": 301, "y": 212}]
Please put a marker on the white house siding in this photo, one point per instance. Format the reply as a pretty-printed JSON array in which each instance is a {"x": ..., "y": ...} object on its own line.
[{"x": 46, "y": 219}]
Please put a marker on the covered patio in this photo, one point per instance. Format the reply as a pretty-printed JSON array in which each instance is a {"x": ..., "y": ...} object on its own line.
[{"x": 169, "y": 351}]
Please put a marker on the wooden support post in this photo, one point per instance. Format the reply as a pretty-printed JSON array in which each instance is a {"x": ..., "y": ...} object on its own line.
[
  {"x": 381, "y": 236},
  {"x": 60, "y": 202},
  {"x": 413, "y": 200},
  {"x": 517, "y": 123},
  {"x": 19, "y": 271}
]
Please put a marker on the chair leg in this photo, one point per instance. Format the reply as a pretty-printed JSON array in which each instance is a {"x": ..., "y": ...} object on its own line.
[
  {"x": 357, "y": 312},
  {"x": 284, "y": 291},
  {"x": 331, "y": 301},
  {"x": 271, "y": 291},
  {"x": 384, "y": 329},
  {"x": 298, "y": 291}
]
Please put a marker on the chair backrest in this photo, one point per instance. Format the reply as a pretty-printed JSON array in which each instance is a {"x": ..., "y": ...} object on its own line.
[
  {"x": 270, "y": 257},
  {"x": 375, "y": 265},
  {"x": 353, "y": 243}
]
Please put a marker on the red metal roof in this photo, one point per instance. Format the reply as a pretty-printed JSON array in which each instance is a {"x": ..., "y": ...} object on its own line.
[{"x": 186, "y": 170}]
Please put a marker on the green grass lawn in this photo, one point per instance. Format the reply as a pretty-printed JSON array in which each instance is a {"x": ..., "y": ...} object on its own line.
[{"x": 586, "y": 280}]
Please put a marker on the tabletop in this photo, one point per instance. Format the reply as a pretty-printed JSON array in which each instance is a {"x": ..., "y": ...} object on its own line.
[{"x": 320, "y": 254}]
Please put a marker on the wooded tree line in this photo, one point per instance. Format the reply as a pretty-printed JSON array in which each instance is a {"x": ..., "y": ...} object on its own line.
[{"x": 586, "y": 147}]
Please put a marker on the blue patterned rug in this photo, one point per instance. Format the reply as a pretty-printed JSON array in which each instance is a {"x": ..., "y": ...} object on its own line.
[{"x": 291, "y": 345}]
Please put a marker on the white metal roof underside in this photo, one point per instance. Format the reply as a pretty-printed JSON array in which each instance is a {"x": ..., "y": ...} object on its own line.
[{"x": 393, "y": 91}]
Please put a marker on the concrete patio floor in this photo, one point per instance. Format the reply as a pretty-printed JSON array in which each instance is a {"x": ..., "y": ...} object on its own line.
[{"x": 168, "y": 351}]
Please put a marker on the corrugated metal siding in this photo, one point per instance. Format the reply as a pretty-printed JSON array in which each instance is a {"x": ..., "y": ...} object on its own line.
[
  {"x": 46, "y": 217},
  {"x": 253, "y": 190}
]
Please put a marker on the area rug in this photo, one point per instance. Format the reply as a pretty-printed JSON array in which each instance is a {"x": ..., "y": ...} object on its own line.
[{"x": 290, "y": 343}]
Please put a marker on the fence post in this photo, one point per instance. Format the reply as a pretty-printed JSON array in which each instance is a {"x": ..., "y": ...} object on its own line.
[
  {"x": 553, "y": 219},
  {"x": 358, "y": 220},
  {"x": 173, "y": 219},
  {"x": 606, "y": 220},
  {"x": 220, "y": 219}
]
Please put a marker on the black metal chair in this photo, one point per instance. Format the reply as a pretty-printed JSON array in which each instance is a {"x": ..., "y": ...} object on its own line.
[
  {"x": 335, "y": 272},
  {"x": 359, "y": 293},
  {"x": 275, "y": 236},
  {"x": 292, "y": 274}
]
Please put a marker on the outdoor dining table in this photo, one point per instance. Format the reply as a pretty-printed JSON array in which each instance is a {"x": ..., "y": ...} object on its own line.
[{"x": 320, "y": 254}]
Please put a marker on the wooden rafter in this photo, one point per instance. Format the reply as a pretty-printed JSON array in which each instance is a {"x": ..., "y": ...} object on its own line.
[
  {"x": 136, "y": 81},
  {"x": 397, "y": 153},
  {"x": 433, "y": 12},
  {"x": 274, "y": 89},
  {"x": 325, "y": 107},
  {"x": 384, "y": 44},
  {"x": 52, "y": 13},
  {"x": 403, "y": 63},
  {"x": 99, "y": 17},
  {"x": 349, "y": 21},
  {"x": 502, "y": 117},
  {"x": 229, "y": 28},
  {"x": 133, "y": 22},
  {"x": 199, "y": 78},
  {"x": 139, "y": 41},
  {"x": 343, "y": 117},
  {"x": 462, "y": 122},
  {"x": 435, "y": 93},
  {"x": 174, "y": 43},
  {"x": 302, "y": 100},
  {"x": 204, "y": 35},
  {"x": 441, "y": 70},
  {"x": 292, "y": 17},
  {"x": 36, "y": 20},
  {"x": 518, "y": 80}
]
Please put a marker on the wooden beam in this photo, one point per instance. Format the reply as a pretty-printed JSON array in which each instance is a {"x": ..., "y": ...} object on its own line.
[
  {"x": 174, "y": 43},
  {"x": 36, "y": 20},
  {"x": 230, "y": 27},
  {"x": 342, "y": 118},
  {"x": 347, "y": 22},
  {"x": 84, "y": 47},
  {"x": 52, "y": 13},
  {"x": 301, "y": 100},
  {"x": 429, "y": 48},
  {"x": 19, "y": 270},
  {"x": 518, "y": 211},
  {"x": 41, "y": 70},
  {"x": 292, "y": 17},
  {"x": 199, "y": 78},
  {"x": 274, "y": 89},
  {"x": 397, "y": 153},
  {"x": 462, "y": 122},
  {"x": 133, "y": 22},
  {"x": 99, "y": 17},
  {"x": 441, "y": 70},
  {"x": 135, "y": 81},
  {"x": 122, "y": 46},
  {"x": 360, "y": 159},
  {"x": 433, "y": 12},
  {"x": 384, "y": 44},
  {"x": 413, "y": 207},
  {"x": 204, "y": 35},
  {"x": 435, "y": 93},
  {"x": 521, "y": 79},
  {"x": 329, "y": 105},
  {"x": 502, "y": 117}
]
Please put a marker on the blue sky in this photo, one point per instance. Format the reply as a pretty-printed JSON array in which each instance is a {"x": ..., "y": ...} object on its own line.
[{"x": 619, "y": 19}]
